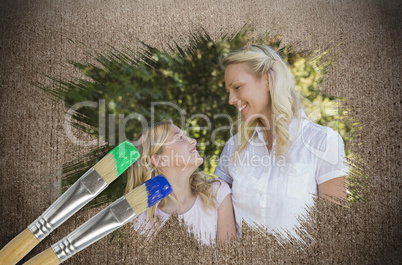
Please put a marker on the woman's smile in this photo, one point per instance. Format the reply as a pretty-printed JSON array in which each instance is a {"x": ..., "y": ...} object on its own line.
[{"x": 243, "y": 107}]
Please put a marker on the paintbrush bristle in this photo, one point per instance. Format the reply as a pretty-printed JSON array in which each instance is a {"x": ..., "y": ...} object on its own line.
[
  {"x": 117, "y": 161},
  {"x": 148, "y": 193},
  {"x": 107, "y": 168},
  {"x": 138, "y": 199}
]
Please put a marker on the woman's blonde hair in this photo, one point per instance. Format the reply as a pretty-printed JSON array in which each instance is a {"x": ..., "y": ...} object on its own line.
[
  {"x": 285, "y": 103},
  {"x": 150, "y": 143}
]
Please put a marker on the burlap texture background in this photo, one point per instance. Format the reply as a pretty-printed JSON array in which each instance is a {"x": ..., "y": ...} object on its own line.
[{"x": 35, "y": 41}]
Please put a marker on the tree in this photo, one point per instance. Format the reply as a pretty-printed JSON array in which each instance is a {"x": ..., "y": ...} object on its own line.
[{"x": 133, "y": 89}]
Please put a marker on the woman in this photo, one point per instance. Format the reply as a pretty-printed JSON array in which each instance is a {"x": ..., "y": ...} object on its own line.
[
  {"x": 279, "y": 160},
  {"x": 205, "y": 206}
]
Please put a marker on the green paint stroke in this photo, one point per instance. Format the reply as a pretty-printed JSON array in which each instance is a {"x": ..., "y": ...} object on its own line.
[{"x": 125, "y": 154}]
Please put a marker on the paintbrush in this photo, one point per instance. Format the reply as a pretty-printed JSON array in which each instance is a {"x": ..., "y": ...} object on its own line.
[
  {"x": 87, "y": 187},
  {"x": 108, "y": 220}
]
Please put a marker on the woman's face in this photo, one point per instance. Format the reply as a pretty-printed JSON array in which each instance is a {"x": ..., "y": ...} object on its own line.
[
  {"x": 179, "y": 151},
  {"x": 249, "y": 94}
]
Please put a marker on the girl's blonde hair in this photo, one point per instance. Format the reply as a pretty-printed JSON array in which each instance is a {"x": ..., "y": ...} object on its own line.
[
  {"x": 285, "y": 102},
  {"x": 150, "y": 143}
]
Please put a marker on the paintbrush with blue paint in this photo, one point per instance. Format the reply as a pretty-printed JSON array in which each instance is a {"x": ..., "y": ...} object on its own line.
[
  {"x": 108, "y": 220},
  {"x": 87, "y": 187}
]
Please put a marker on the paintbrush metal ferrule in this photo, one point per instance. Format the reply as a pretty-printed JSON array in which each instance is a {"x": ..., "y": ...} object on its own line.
[
  {"x": 80, "y": 193},
  {"x": 114, "y": 216}
]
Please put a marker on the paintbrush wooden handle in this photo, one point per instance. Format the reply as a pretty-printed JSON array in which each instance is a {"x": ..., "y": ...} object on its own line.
[
  {"x": 17, "y": 248},
  {"x": 47, "y": 257}
]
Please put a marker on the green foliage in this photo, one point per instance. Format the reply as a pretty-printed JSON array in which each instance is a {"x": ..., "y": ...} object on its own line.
[
  {"x": 322, "y": 109},
  {"x": 126, "y": 87}
]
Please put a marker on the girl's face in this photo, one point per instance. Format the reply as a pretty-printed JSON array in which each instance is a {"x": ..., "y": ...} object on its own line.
[
  {"x": 179, "y": 151},
  {"x": 249, "y": 94}
]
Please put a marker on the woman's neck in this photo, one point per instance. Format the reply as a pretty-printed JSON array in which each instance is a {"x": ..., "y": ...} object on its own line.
[
  {"x": 266, "y": 119},
  {"x": 267, "y": 129}
]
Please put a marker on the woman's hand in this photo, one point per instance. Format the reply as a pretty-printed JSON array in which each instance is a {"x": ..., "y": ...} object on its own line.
[
  {"x": 333, "y": 190},
  {"x": 226, "y": 222}
]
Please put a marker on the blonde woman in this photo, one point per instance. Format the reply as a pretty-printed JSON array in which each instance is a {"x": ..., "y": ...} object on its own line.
[
  {"x": 205, "y": 206},
  {"x": 279, "y": 161}
]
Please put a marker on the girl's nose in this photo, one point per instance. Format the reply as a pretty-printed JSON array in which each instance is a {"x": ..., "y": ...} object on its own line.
[{"x": 192, "y": 141}]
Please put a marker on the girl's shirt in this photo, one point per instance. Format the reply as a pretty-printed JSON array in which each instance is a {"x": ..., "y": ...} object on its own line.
[
  {"x": 275, "y": 192},
  {"x": 201, "y": 222}
]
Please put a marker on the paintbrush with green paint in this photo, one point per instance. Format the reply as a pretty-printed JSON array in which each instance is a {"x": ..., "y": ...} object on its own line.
[{"x": 87, "y": 187}]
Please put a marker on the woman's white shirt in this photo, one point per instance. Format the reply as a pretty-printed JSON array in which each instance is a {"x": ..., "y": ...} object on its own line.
[{"x": 275, "y": 192}]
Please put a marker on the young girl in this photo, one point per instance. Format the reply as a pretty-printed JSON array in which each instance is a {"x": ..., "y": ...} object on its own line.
[{"x": 205, "y": 206}]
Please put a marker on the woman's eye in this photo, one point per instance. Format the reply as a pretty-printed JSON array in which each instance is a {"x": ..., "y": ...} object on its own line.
[{"x": 236, "y": 88}]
